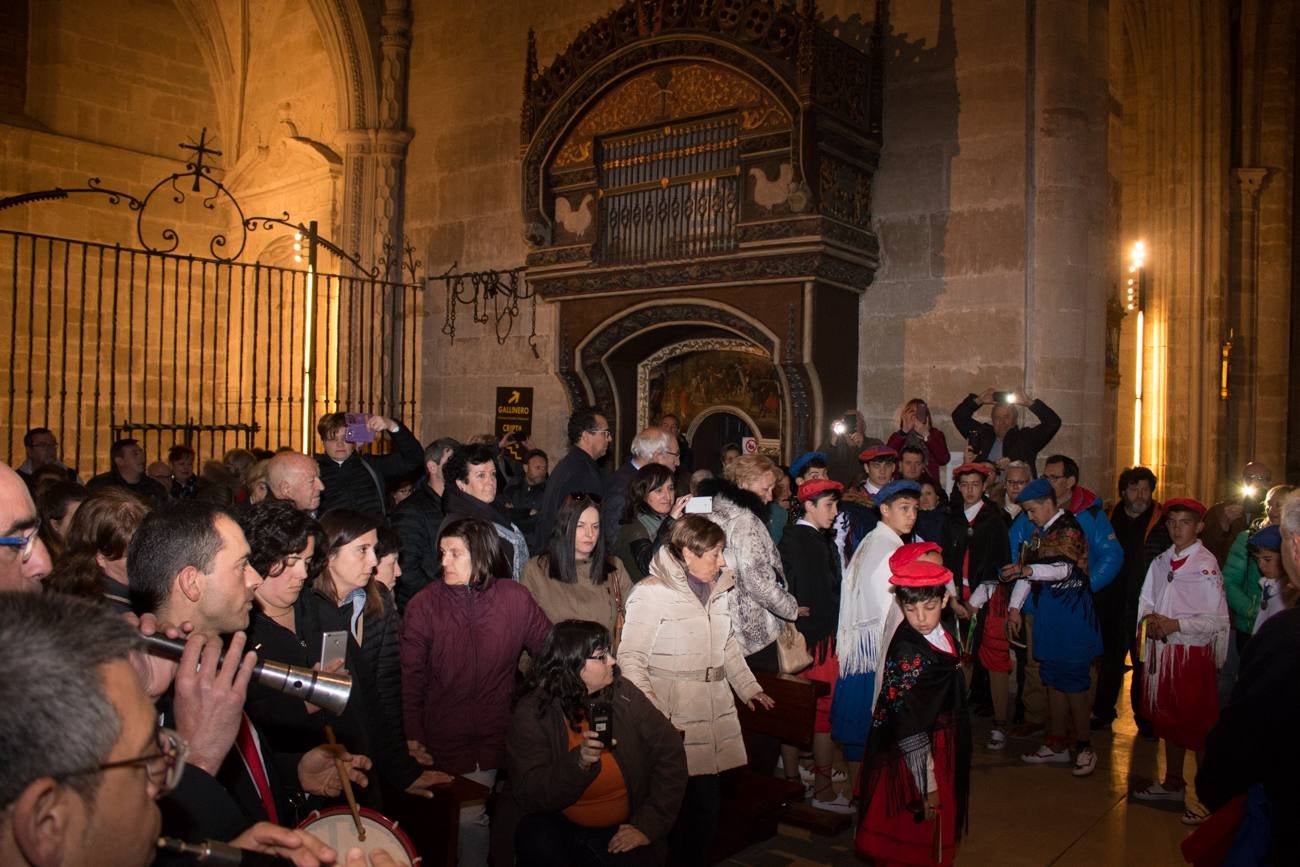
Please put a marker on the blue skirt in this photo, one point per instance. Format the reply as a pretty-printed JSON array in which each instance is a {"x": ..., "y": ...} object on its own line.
[
  {"x": 851, "y": 714},
  {"x": 1065, "y": 627}
]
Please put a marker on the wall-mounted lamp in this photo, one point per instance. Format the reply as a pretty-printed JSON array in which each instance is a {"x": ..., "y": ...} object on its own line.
[{"x": 1133, "y": 301}]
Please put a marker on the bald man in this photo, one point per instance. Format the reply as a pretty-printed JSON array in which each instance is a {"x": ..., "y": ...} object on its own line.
[
  {"x": 295, "y": 477},
  {"x": 24, "y": 562}
]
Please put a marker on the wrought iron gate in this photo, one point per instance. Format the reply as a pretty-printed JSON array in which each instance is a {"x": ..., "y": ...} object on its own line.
[{"x": 106, "y": 340}]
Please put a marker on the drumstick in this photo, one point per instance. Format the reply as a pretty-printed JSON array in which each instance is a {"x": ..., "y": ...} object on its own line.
[{"x": 347, "y": 785}]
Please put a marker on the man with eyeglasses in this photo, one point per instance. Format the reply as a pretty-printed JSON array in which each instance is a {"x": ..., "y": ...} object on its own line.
[
  {"x": 42, "y": 450},
  {"x": 24, "y": 562},
  {"x": 577, "y": 472},
  {"x": 83, "y": 788},
  {"x": 654, "y": 445}
]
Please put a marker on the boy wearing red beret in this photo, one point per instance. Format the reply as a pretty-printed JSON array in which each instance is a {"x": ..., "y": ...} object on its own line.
[
  {"x": 1183, "y": 633},
  {"x": 916, "y": 779}
]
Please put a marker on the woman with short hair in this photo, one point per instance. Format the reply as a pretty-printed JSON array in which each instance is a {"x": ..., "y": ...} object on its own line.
[{"x": 679, "y": 648}]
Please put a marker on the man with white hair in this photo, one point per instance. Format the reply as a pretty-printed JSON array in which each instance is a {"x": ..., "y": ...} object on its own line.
[{"x": 653, "y": 445}]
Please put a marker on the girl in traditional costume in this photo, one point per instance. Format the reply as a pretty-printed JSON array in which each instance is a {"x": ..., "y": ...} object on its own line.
[{"x": 916, "y": 777}]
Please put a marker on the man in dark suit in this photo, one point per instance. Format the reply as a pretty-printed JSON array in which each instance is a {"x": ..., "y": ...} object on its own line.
[{"x": 1004, "y": 440}]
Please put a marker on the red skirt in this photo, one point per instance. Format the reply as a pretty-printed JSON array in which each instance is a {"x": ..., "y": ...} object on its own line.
[
  {"x": 826, "y": 668},
  {"x": 889, "y": 835},
  {"x": 995, "y": 650},
  {"x": 1180, "y": 694}
]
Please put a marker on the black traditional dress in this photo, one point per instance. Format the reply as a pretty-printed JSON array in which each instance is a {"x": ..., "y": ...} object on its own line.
[{"x": 920, "y": 738}]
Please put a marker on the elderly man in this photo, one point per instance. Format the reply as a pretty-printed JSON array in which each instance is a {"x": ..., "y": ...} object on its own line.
[
  {"x": 189, "y": 564},
  {"x": 128, "y": 472},
  {"x": 653, "y": 445},
  {"x": 1226, "y": 519},
  {"x": 295, "y": 477},
  {"x": 1004, "y": 440},
  {"x": 357, "y": 481},
  {"x": 577, "y": 472},
  {"x": 24, "y": 561}
]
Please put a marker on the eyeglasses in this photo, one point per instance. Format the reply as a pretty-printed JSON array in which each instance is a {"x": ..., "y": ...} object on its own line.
[
  {"x": 25, "y": 544},
  {"x": 598, "y": 431},
  {"x": 164, "y": 768}
]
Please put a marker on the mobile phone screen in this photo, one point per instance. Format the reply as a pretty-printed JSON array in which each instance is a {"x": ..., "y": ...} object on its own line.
[{"x": 357, "y": 431}]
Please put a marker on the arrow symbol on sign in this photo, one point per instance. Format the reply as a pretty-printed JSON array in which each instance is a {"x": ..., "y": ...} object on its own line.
[{"x": 514, "y": 397}]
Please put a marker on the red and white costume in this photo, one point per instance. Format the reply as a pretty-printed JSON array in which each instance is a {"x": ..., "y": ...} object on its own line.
[{"x": 1180, "y": 691}]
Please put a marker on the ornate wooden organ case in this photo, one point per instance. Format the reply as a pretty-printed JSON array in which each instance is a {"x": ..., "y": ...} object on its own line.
[{"x": 698, "y": 173}]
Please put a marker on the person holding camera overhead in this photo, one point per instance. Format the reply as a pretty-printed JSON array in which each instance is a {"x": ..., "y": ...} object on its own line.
[
  {"x": 596, "y": 772},
  {"x": 1004, "y": 440},
  {"x": 356, "y": 481},
  {"x": 845, "y": 444},
  {"x": 916, "y": 428}
]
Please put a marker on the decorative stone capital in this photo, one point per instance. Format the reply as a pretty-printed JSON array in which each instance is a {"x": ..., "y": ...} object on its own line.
[{"x": 1249, "y": 182}]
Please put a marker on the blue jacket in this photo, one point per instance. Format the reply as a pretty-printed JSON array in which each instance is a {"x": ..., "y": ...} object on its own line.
[{"x": 1105, "y": 554}]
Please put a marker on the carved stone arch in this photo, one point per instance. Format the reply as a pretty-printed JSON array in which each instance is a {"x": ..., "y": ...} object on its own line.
[{"x": 342, "y": 26}]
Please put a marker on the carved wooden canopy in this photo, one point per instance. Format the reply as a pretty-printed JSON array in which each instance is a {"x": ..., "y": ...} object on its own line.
[{"x": 683, "y": 143}]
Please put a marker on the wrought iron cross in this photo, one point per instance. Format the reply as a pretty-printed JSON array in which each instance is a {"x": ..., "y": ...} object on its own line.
[{"x": 200, "y": 151}]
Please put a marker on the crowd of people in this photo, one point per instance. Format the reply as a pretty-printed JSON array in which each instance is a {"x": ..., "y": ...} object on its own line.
[{"x": 576, "y": 640}]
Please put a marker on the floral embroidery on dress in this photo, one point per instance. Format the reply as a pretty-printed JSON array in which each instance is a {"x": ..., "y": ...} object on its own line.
[{"x": 899, "y": 677}]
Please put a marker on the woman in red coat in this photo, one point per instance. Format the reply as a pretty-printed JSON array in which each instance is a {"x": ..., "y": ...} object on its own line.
[{"x": 461, "y": 641}]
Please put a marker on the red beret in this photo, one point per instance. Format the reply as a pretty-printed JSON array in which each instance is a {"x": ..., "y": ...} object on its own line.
[
  {"x": 1185, "y": 503},
  {"x": 876, "y": 453},
  {"x": 910, "y": 553},
  {"x": 808, "y": 490},
  {"x": 908, "y": 570},
  {"x": 982, "y": 469}
]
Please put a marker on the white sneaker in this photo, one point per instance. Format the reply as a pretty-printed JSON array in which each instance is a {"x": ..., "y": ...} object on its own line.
[
  {"x": 839, "y": 805},
  {"x": 1085, "y": 762},
  {"x": 1194, "y": 816},
  {"x": 807, "y": 775},
  {"x": 1046, "y": 755},
  {"x": 997, "y": 740},
  {"x": 1157, "y": 792}
]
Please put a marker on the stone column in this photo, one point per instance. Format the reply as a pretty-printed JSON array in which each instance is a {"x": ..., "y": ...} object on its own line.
[{"x": 1066, "y": 255}]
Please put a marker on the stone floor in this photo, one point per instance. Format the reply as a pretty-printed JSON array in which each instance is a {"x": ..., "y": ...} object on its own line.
[{"x": 1032, "y": 816}]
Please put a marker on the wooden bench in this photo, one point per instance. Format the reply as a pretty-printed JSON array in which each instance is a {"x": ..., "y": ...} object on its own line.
[
  {"x": 434, "y": 824},
  {"x": 754, "y": 799}
]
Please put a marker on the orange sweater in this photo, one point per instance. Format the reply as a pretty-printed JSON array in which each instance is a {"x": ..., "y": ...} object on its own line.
[{"x": 604, "y": 803}]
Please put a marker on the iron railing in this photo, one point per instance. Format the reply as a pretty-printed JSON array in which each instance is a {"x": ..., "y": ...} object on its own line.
[{"x": 104, "y": 338}]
